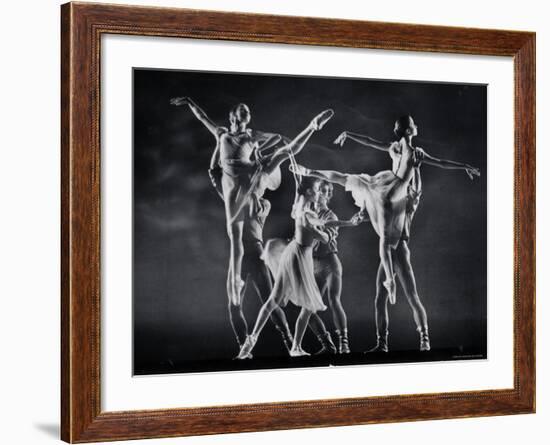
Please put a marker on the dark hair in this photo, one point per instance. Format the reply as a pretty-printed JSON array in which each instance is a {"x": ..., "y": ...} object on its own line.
[
  {"x": 402, "y": 125},
  {"x": 233, "y": 110},
  {"x": 307, "y": 183}
]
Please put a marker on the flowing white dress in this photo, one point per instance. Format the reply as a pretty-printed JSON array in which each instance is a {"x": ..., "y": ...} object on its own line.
[{"x": 292, "y": 266}]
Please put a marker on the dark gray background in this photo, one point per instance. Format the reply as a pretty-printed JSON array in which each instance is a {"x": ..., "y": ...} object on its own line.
[{"x": 181, "y": 249}]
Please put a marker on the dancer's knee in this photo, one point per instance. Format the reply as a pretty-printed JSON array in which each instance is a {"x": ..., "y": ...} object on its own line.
[
  {"x": 414, "y": 300},
  {"x": 305, "y": 314},
  {"x": 234, "y": 306}
]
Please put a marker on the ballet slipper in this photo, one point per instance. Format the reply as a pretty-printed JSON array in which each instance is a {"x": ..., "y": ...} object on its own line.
[
  {"x": 298, "y": 352},
  {"x": 391, "y": 287},
  {"x": 246, "y": 348},
  {"x": 321, "y": 119}
]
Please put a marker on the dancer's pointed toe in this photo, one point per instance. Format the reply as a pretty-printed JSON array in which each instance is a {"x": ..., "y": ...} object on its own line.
[
  {"x": 298, "y": 352},
  {"x": 321, "y": 119},
  {"x": 246, "y": 348}
]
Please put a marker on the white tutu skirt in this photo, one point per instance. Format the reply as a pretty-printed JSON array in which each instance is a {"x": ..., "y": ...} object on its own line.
[
  {"x": 292, "y": 266},
  {"x": 384, "y": 196}
]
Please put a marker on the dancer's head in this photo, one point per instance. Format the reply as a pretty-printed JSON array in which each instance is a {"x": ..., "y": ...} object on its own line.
[
  {"x": 326, "y": 191},
  {"x": 405, "y": 127},
  {"x": 239, "y": 115},
  {"x": 309, "y": 189}
]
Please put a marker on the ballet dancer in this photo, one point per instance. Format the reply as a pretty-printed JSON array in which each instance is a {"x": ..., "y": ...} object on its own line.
[
  {"x": 328, "y": 272},
  {"x": 390, "y": 198}
]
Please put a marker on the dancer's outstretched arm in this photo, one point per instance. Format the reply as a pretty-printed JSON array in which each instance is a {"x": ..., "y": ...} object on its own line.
[
  {"x": 343, "y": 223},
  {"x": 360, "y": 217},
  {"x": 198, "y": 112},
  {"x": 326, "y": 175},
  {"x": 450, "y": 165},
  {"x": 363, "y": 140}
]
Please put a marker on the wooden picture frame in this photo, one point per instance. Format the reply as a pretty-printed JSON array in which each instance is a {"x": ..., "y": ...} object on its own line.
[{"x": 82, "y": 26}]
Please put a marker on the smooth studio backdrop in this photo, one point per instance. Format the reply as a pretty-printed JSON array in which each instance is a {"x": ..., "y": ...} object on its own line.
[{"x": 29, "y": 239}]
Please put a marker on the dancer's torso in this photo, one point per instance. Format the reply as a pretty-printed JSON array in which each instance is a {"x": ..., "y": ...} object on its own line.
[
  {"x": 324, "y": 249},
  {"x": 236, "y": 148},
  {"x": 404, "y": 160},
  {"x": 414, "y": 189},
  {"x": 304, "y": 233}
]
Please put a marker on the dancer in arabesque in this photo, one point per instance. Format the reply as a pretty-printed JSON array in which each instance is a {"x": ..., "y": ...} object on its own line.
[{"x": 390, "y": 198}]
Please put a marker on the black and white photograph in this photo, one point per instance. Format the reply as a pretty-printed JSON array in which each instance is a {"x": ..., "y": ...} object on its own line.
[{"x": 284, "y": 221}]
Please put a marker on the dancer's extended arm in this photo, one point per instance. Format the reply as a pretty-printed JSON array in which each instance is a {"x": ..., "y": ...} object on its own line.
[
  {"x": 344, "y": 223},
  {"x": 198, "y": 112},
  {"x": 450, "y": 165},
  {"x": 360, "y": 217},
  {"x": 362, "y": 139}
]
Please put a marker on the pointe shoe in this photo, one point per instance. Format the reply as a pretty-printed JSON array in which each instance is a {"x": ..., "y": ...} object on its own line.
[
  {"x": 391, "y": 287},
  {"x": 321, "y": 119},
  {"x": 424, "y": 339},
  {"x": 298, "y": 352},
  {"x": 246, "y": 348}
]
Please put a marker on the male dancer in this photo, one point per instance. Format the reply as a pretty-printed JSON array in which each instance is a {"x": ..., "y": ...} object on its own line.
[
  {"x": 328, "y": 274},
  {"x": 401, "y": 254},
  {"x": 241, "y": 173}
]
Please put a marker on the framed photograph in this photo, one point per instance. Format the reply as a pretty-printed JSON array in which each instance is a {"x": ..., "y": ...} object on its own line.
[{"x": 278, "y": 222}]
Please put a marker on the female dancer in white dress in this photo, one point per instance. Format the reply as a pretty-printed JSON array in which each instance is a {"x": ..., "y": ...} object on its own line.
[
  {"x": 401, "y": 254},
  {"x": 385, "y": 195},
  {"x": 295, "y": 280}
]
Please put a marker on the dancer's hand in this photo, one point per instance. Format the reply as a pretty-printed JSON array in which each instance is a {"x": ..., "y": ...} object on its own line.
[
  {"x": 472, "y": 171},
  {"x": 341, "y": 139},
  {"x": 299, "y": 170},
  {"x": 179, "y": 101},
  {"x": 360, "y": 217},
  {"x": 356, "y": 220}
]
